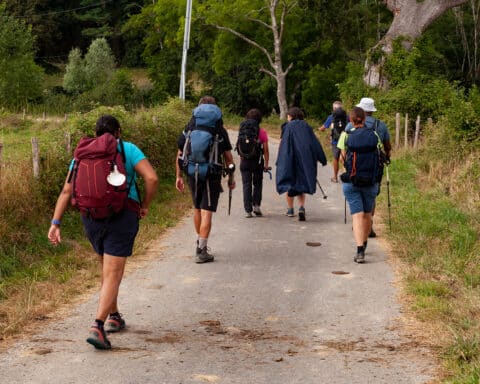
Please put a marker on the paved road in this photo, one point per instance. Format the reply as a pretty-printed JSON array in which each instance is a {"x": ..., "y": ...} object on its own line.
[{"x": 270, "y": 309}]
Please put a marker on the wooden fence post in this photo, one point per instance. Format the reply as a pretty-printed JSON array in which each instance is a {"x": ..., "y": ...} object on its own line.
[
  {"x": 417, "y": 132},
  {"x": 397, "y": 130},
  {"x": 406, "y": 130},
  {"x": 36, "y": 157},
  {"x": 24, "y": 114},
  {"x": 66, "y": 117},
  {"x": 68, "y": 142}
]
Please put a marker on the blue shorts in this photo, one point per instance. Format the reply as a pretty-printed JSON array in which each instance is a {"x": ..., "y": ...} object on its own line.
[
  {"x": 360, "y": 199},
  {"x": 114, "y": 236}
]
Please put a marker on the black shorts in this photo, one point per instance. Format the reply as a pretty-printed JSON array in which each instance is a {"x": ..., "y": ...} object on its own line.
[
  {"x": 114, "y": 236},
  {"x": 203, "y": 197}
]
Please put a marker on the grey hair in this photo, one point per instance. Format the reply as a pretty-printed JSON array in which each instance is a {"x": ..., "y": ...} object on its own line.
[{"x": 337, "y": 104}]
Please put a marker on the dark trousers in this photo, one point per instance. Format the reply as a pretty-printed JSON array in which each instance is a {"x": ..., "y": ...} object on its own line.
[{"x": 252, "y": 179}]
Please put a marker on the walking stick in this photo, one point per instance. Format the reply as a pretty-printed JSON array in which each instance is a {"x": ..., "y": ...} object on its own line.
[
  {"x": 229, "y": 200},
  {"x": 231, "y": 170},
  {"x": 321, "y": 189},
  {"x": 388, "y": 199}
]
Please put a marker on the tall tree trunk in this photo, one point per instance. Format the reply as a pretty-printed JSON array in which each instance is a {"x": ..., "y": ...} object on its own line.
[
  {"x": 276, "y": 70},
  {"x": 410, "y": 20}
]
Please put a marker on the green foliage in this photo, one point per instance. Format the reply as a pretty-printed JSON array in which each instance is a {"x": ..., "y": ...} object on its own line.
[
  {"x": 20, "y": 77},
  {"x": 99, "y": 63},
  {"x": 74, "y": 80}
]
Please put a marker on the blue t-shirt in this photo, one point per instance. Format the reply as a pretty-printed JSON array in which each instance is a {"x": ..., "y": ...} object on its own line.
[
  {"x": 381, "y": 129},
  {"x": 133, "y": 156}
]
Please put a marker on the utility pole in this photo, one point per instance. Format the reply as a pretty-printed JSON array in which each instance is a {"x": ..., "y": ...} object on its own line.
[{"x": 186, "y": 42}]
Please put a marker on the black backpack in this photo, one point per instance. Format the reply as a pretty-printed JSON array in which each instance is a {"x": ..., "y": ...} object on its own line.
[
  {"x": 363, "y": 160},
  {"x": 248, "y": 145},
  {"x": 339, "y": 121}
]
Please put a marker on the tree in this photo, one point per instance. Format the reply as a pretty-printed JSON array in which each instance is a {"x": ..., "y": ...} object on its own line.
[
  {"x": 269, "y": 14},
  {"x": 411, "y": 18},
  {"x": 74, "y": 80},
  {"x": 20, "y": 78},
  {"x": 99, "y": 63},
  {"x": 106, "y": 19}
]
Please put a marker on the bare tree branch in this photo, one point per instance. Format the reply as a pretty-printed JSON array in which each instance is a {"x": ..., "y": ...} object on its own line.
[
  {"x": 260, "y": 22},
  {"x": 282, "y": 20},
  {"x": 249, "y": 41},
  {"x": 270, "y": 73},
  {"x": 290, "y": 66}
]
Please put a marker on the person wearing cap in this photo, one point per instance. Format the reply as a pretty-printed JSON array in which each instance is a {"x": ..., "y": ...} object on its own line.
[{"x": 368, "y": 105}]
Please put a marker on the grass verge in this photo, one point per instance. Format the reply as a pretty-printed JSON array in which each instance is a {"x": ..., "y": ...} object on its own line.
[{"x": 440, "y": 248}]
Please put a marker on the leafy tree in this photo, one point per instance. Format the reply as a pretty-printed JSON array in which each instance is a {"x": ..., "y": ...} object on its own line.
[
  {"x": 74, "y": 80},
  {"x": 99, "y": 63},
  {"x": 20, "y": 78},
  {"x": 106, "y": 19},
  {"x": 269, "y": 15},
  {"x": 411, "y": 18}
]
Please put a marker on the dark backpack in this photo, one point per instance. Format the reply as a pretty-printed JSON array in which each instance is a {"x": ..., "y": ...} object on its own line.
[
  {"x": 94, "y": 160},
  {"x": 248, "y": 145},
  {"x": 363, "y": 160},
  {"x": 339, "y": 121},
  {"x": 200, "y": 157}
]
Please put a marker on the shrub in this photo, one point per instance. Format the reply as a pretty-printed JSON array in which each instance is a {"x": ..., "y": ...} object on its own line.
[{"x": 74, "y": 80}]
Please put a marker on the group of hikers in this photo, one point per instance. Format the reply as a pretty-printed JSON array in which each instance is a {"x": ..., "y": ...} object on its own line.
[{"x": 101, "y": 183}]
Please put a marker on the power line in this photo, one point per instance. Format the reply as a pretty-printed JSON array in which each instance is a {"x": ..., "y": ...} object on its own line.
[{"x": 64, "y": 11}]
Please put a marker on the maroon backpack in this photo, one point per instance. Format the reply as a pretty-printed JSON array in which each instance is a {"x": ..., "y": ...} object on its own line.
[{"x": 94, "y": 160}]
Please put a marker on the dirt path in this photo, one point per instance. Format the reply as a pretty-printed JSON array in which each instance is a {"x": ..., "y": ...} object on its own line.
[{"x": 282, "y": 303}]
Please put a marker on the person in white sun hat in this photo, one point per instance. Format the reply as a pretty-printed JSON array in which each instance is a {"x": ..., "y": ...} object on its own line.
[{"x": 368, "y": 105}]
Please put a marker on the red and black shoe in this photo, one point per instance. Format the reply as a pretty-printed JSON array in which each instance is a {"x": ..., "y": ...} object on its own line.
[{"x": 98, "y": 338}]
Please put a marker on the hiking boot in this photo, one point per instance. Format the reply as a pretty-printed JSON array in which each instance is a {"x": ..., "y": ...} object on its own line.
[
  {"x": 257, "y": 211},
  {"x": 372, "y": 233},
  {"x": 359, "y": 257},
  {"x": 203, "y": 256},
  {"x": 114, "y": 323},
  {"x": 301, "y": 214},
  {"x": 290, "y": 212},
  {"x": 248, "y": 215},
  {"x": 98, "y": 338}
]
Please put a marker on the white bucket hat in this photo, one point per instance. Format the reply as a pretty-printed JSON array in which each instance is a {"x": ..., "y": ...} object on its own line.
[{"x": 367, "y": 104}]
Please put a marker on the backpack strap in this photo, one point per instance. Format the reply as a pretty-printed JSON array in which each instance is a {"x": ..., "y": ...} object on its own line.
[{"x": 124, "y": 159}]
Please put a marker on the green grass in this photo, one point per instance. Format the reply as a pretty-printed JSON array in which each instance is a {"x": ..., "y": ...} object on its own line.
[
  {"x": 36, "y": 277},
  {"x": 440, "y": 246}
]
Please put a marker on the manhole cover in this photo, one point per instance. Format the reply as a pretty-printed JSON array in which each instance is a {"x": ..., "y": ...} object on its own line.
[
  {"x": 313, "y": 244},
  {"x": 340, "y": 273}
]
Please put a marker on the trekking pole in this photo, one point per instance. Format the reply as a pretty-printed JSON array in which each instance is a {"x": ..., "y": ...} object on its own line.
[
  {"x": 345, "y": 210},
  {"x": 388, "y": 200},
  {"x": 231, "y": 169},
  {"x": 321, "y": 189}
]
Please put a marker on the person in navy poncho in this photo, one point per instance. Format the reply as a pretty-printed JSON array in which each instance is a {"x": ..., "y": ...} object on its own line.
[{"x": 297, "y": 159}]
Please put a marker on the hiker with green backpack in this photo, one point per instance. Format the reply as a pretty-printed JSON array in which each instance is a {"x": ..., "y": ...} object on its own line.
[
  {"x": 362, "y": 158},
  {"x": 204, "y": 156},
  {"x": 101, "y": 183}
]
